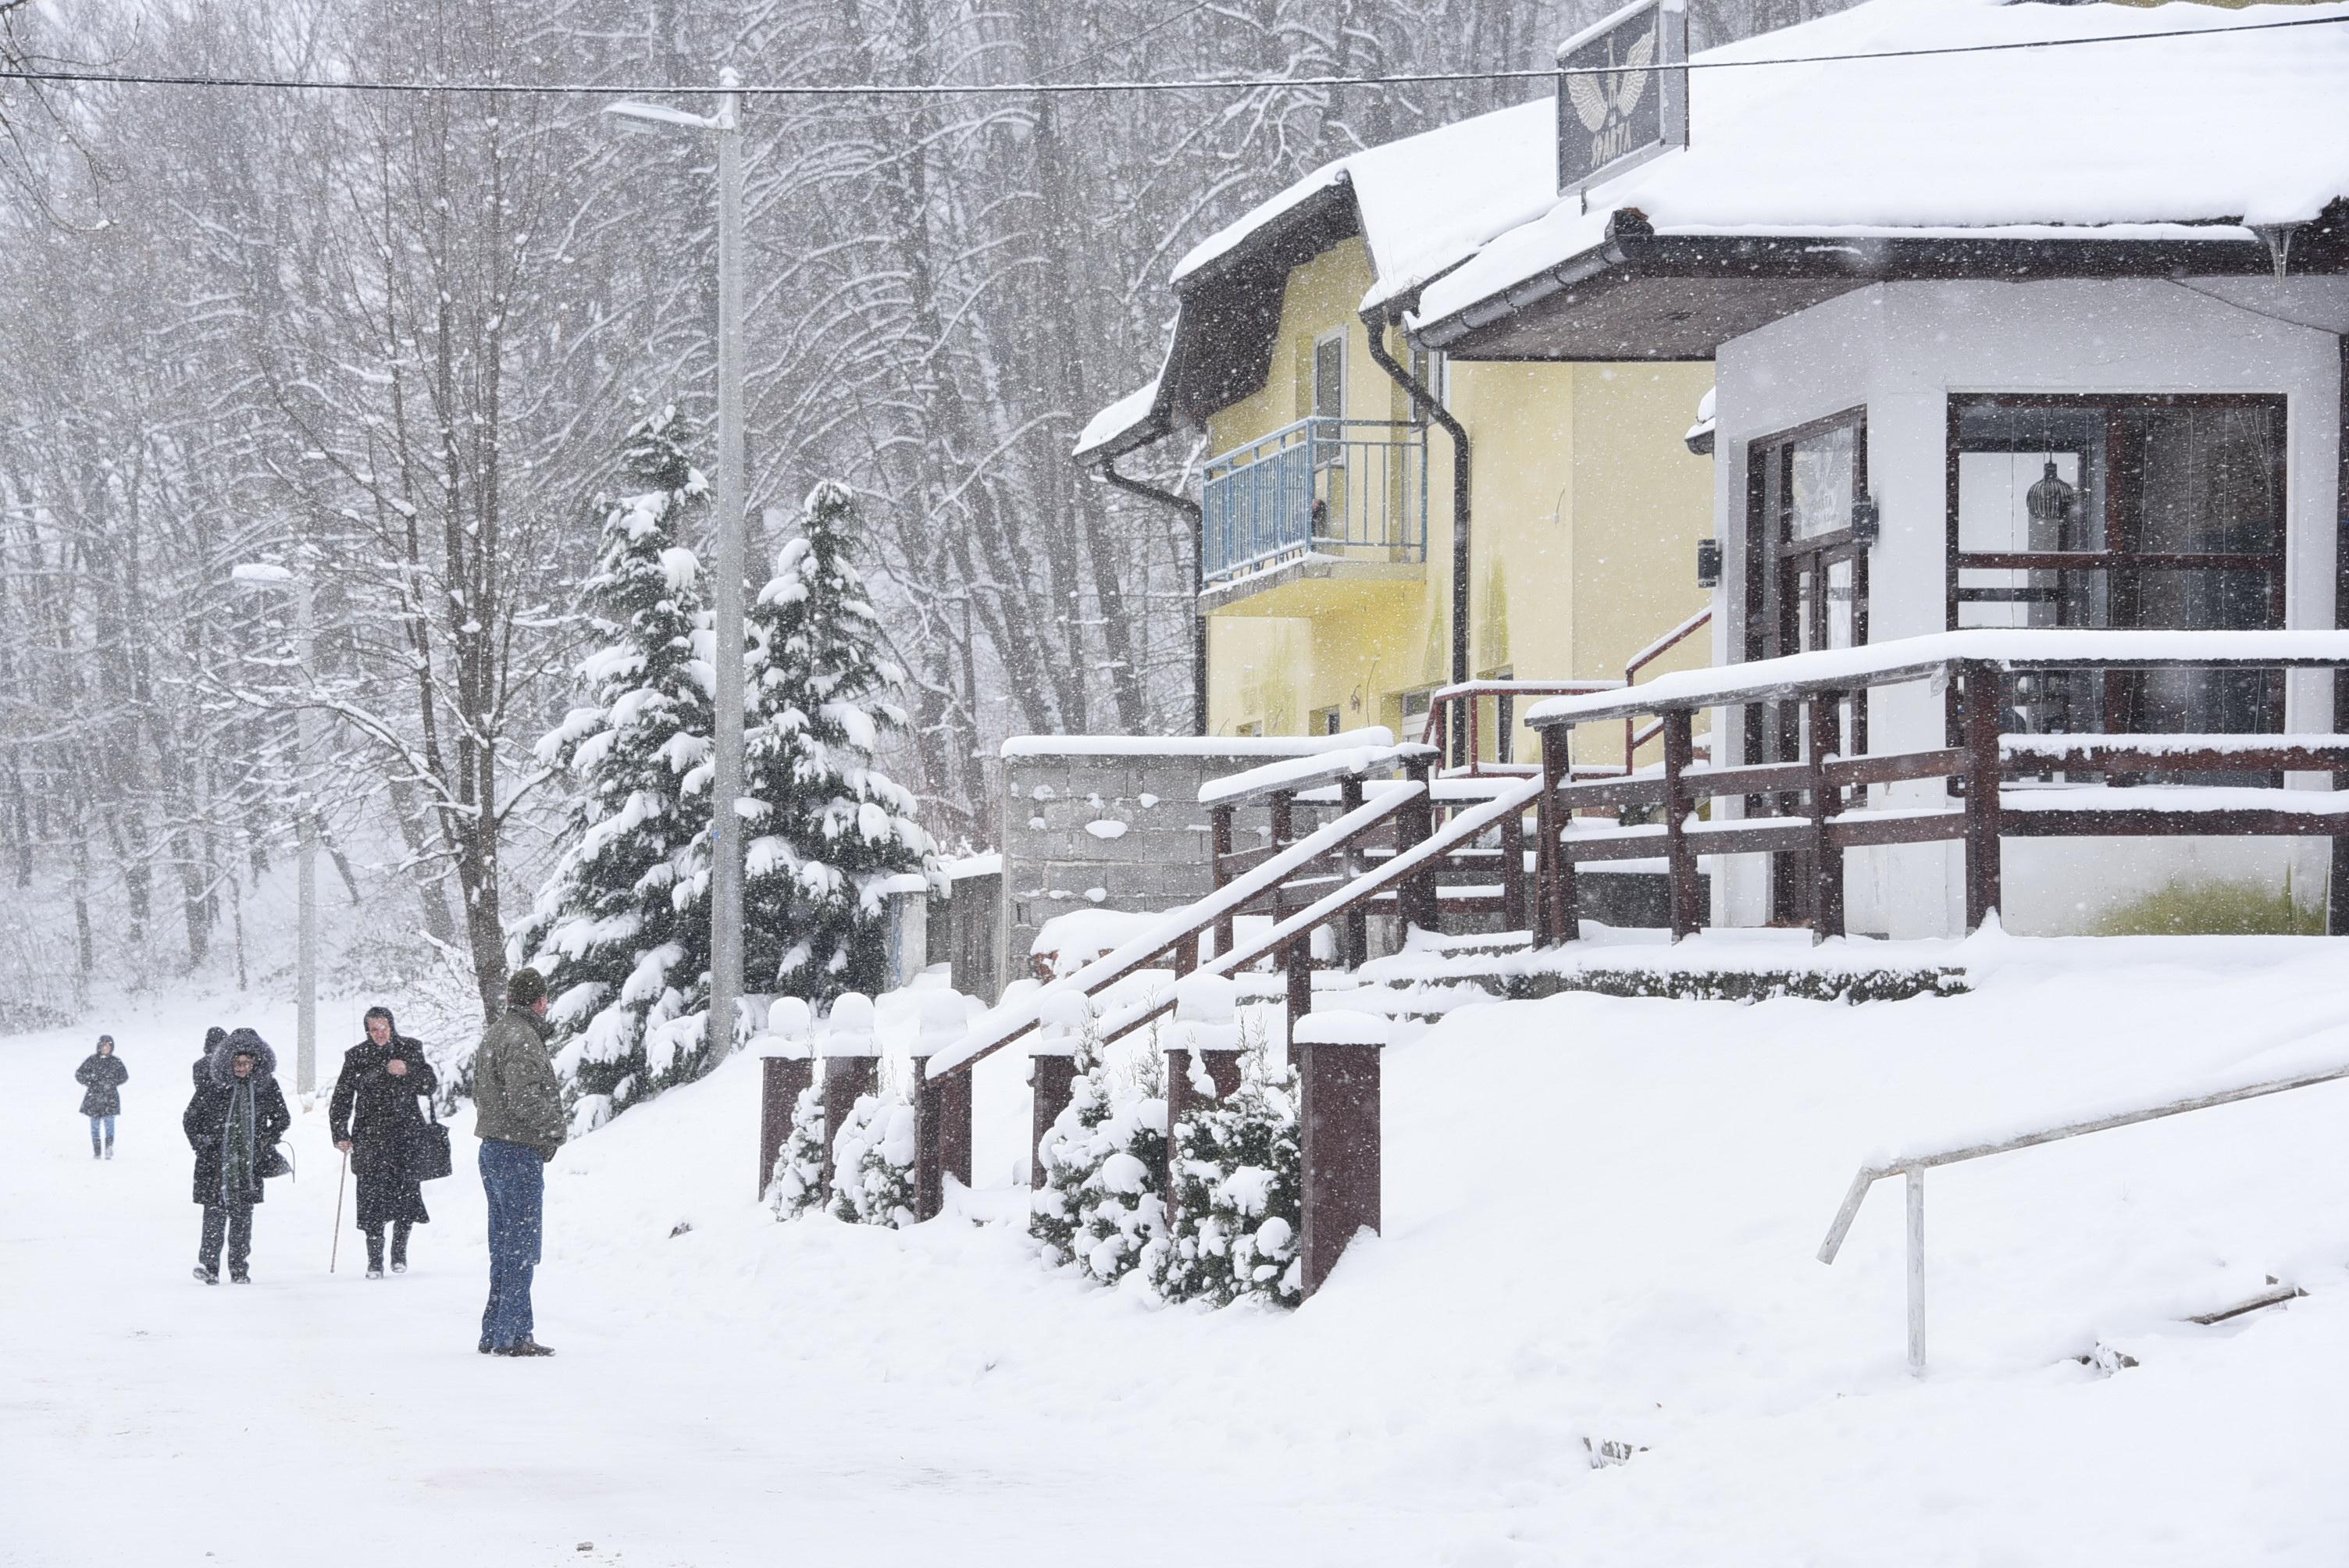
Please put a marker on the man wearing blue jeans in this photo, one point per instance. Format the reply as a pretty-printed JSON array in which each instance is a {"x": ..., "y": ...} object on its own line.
[{"x": 519, "y": 1119}]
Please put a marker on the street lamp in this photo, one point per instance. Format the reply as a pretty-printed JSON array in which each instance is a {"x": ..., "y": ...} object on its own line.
[
  {"x": 259, "y": 577},
  {"x": 726, "y": 785}
]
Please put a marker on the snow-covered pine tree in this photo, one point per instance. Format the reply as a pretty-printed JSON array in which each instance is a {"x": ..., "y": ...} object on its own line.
[
  {"x": 619, "y": 953},
  {"x": 1238, "y": 1194},
  {"x": 1102, "y": 1204},
  {"x": 796, "y": 1186},
  {"x": 828, "y": 829}
]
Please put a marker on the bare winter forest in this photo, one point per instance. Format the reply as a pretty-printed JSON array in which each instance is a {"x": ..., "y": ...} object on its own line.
[{"x": 387, "y": 342}]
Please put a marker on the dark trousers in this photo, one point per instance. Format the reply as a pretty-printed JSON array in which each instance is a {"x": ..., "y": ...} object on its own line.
[
  {"x": 234, "y": 1223},
  {"x": 514, "y": 1178},
  {"x": 398, "y": 1243}
]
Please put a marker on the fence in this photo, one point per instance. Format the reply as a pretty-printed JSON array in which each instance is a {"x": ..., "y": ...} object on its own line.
[{"x": 1353, "y": 488}]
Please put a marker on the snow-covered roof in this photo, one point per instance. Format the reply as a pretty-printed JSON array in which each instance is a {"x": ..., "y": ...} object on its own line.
[
  {"x": 1420, "y": 202},
  {"x": 1135, "y": 415},
  {"x": 2133, "y": 139},
  {"x": 1427, "y": 194}
]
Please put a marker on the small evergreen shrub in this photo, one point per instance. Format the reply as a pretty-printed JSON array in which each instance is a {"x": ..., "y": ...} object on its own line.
[
  {"x": 1239, "y": 1182},
  {"x": 1102, "y": 1205},
  {"x": 798, "y": 1179},
  {"x": 872, "y": 1161}
]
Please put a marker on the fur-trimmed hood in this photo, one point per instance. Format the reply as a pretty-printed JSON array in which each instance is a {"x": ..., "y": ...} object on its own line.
[{"x": 241, "y": 1042}]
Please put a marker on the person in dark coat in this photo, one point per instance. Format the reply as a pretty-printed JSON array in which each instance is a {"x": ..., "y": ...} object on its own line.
[
  {"x": 212, "y": 1038},
  {"x": 102, "y": 1075},
  {"x": 233, "y": 1123},
  {"x": 373, "y": 1112}
]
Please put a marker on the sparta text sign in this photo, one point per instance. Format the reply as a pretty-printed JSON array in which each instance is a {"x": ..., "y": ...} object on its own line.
[{"x": 1620, "y": 100}]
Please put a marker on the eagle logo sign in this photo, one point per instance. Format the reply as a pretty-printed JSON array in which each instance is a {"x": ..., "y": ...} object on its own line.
[{"x": 1604, "y": 103}]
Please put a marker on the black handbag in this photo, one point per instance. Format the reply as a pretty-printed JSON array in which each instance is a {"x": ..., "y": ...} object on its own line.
[
  {"x": 273, "y": 1162},
  {"x": 428, "y": 1147}
]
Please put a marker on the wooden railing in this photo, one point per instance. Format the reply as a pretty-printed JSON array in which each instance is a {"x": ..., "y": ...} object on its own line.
[
  {"x": 1817, "y": 803},
  {"x": 1455, "y": 726}
]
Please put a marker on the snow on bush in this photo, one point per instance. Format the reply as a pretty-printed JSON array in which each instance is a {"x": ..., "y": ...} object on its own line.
[
  {"x": 872, "y": 1161},
  {"x": 1238, "y": 1187},
  {"x": 796, "y": 1183},
  {"x": 1101, "y": 1205}
]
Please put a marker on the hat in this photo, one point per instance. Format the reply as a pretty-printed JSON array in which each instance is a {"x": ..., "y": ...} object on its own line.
[{"x": 526, "y": 988}]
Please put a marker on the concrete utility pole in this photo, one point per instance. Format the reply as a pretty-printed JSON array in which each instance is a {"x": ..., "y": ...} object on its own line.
[
  {"x": 725, "y": 602},
  {"x": 256, "y": 575}
]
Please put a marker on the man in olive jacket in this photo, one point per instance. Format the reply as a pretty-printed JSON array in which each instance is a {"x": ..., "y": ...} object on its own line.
[{"x": 518, "y": 1116}]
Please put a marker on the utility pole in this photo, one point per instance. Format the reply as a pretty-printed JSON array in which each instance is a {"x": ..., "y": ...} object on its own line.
[
  {"x": 725, "y": 602},
  {"x": 257, "y": 576}
]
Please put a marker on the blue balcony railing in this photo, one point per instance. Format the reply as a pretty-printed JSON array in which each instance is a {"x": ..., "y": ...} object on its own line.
[{"x": 1352, "y": 489}]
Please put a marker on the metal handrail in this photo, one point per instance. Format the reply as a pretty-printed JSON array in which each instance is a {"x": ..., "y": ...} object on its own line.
[
  {"x": 1634, "y": 737},
  {"x": 1914, "y": 1166}
]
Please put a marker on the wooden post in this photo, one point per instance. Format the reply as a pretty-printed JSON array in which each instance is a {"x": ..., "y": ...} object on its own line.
[
  {"x": 1221, "y": 821},
  {"x": 941, "y": 1136},
  {"x": 1827, "y": 803},
  {"x": 1512, "y": 872},
  {"x": 1414, "y": 824},
  {"x": 1283, "y": 812},
  {"x": 844, "y": 1078},
  {"x": 1354, "y": 925},
  {"x": 1052, "y": 1083},
  {"x": 1554, "y": 892},
  {"x": 1297, "y": 964},
  {"x": 1680, "y": 855},
  {"x": 1223, "y": 1068},
  {"x": 1336, "y": 1061},
  {"x": 779, "y": 1096},
  {"x": 1984, "y": 775}
]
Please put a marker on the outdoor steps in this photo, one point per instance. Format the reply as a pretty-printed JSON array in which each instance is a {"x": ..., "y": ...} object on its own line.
[{"x": 2108, "y": 1359}]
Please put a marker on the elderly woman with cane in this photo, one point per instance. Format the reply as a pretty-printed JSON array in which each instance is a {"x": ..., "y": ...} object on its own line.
[{"x": 380, "y": 1133}]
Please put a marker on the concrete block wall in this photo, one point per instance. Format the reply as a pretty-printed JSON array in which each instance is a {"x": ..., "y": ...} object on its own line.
[{"x": 1113, "y": 823}]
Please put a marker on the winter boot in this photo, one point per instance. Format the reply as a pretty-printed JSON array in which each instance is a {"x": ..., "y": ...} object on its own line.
[
  {"x": 109, "y": 1148},
  {"x": 206, "y": 1277},
  {"x": 399, "y": 1248},
  {"x": 239, "y": 1276},
  {"x": 374, "y": 1255}
]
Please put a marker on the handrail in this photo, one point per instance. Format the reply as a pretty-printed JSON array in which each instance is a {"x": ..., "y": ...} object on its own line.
[
  {"x": 1634, "y": 737},
  {"x": 1438, "y": 729},
  {"x": 1295, "y": 774},
  {"x": 1914, "y": 1166},
  {"x": 1002, "y": 1025},
  {"x": 1466, "y": 826}
]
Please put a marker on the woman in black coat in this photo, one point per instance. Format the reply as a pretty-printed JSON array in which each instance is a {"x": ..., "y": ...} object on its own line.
[
  {"x": 233, "y": 1123},
  {"x": 102, "y": 1074},
  {"x": 374, "y": 1116}
]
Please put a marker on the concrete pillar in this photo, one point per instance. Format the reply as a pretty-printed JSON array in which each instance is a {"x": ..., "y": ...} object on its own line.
[{"x": 1337, "y": 1059}]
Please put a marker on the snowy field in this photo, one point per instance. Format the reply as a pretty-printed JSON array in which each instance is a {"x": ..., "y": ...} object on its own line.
[{"x": 1601, "y": 1220}]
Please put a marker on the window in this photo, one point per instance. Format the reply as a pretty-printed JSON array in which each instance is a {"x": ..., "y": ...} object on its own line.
[
  {"x": 2123, "y": 511},
  {"x": 1431, "y": 368},
  {"x": 1325, "y": 721},
  {"x": 1330, "y": 374}
]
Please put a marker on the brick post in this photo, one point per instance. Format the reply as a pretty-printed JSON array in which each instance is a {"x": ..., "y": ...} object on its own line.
[
  {"x": 1206, "y": 1021},
  {"x": 1337, "y": 1059},
  {"x": 779, "y": 1094},
  {"x": 941, "y": 1136},
  {"x": 1052, "y": 1070}
]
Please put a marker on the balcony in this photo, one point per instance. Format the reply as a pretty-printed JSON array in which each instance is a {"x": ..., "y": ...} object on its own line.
[{"x": 1321, "y": 499}]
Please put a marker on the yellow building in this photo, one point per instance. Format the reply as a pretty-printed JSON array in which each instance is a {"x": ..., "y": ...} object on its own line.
[{"x": 1330, "y": 553}]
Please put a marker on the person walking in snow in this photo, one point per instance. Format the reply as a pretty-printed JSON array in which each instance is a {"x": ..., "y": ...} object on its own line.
[
  {"x": 212, "y": 1038},
  {"x": 233, "y": 1123},
  {"x": 518, "y": 1116},
  {"x": 102, "y": 1075},
  {"x": 376, "y": 1123}
]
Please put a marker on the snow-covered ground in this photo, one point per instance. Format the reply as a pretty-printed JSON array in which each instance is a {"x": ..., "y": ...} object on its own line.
[{"x": 1602, "y": 1217}]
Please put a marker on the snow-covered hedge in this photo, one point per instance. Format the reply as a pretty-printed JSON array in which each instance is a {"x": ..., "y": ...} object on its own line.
[
  {"x": 1101, "y": 1206},
  {"x": 872, "y": 1161}
]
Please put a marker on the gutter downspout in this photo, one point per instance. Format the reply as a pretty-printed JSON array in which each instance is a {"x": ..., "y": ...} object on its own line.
[
  {"x": 1191, "y": 510},
  {"x": 1375, "y": 321}
]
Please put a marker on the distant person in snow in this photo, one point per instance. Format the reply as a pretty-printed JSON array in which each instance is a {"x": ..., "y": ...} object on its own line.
[
  {"x": 233, "y": 1123},
  {"x": 101, "y": 1074},
  {"x": 212, "y": 1038},
  {"x": 376, "y": 1123},
  {"x": 518, "y": 1116}
]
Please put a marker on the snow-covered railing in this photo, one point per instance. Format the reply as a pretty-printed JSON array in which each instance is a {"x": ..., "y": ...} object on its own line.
[
  {"x": 1454, "y": 724},
  {"x": 1803, "y": 805},
  {"x": 1295, "y": 774},
  {"x": 1176, "y": 928},
  {"x": 1913, "y": 1167}
]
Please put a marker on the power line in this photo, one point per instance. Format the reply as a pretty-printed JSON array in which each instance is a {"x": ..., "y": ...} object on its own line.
[{"x": 1205, "y": 83}]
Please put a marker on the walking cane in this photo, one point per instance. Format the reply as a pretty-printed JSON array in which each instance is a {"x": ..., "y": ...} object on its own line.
[{"x": 336, "y": 1250}]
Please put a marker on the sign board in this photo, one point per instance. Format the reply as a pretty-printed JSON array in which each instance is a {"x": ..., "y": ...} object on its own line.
[{"x": 1618, "y": 104}]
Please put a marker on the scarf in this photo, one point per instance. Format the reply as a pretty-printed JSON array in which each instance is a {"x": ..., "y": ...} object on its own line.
[{"x": 239, "y": 1184}]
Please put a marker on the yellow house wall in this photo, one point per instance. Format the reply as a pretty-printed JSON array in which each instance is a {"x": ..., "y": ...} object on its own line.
[{"x": 1587, "y": 508}]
